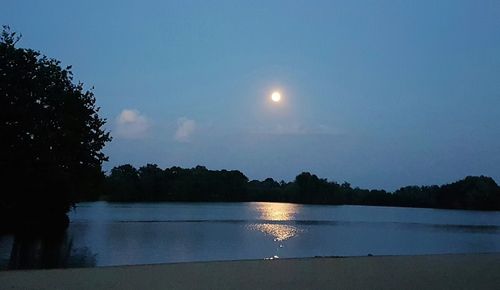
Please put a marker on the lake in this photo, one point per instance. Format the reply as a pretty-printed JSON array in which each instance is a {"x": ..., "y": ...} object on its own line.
[{"x": 105, "y": 234}]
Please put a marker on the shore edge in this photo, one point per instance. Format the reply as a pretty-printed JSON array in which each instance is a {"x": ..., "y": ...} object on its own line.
[{"x": 449, "y": 271}]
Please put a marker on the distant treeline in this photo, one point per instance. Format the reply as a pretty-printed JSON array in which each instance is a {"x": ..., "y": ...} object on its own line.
[{"x": 151, "y": 183}]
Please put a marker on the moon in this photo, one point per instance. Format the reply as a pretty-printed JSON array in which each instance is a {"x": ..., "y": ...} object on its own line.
[{"x": 276, "y": 97}]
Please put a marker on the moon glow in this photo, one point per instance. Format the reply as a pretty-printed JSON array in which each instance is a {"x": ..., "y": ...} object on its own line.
[{"x": 276, "y": 97}]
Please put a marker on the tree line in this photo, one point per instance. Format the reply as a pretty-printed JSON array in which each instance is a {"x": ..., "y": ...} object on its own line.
[{"x": 150, "y": 183}]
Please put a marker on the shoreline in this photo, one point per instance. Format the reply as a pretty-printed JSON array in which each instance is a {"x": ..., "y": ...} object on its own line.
[
  {"x": 284, "y": 202},
  {"x": 448, "y": 271}
]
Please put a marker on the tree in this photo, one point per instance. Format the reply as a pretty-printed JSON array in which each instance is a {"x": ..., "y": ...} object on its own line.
[
  {"x": 51, "y": 137},
  {"x": 152, "y": 181},
  {"x": 472, "y": 192},
  {"x": 123, "y": 183},
  {"x": 309, "y": 186}
]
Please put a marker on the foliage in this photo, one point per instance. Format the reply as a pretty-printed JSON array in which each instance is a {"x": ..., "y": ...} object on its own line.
[
  {"x": 51, "y": 135},
  {"x": 151, "y": 183}
]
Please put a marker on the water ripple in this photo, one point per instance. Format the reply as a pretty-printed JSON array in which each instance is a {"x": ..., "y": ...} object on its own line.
[{"x": 280, "y": 232}]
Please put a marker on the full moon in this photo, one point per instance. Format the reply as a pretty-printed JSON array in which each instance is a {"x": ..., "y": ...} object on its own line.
[{"x": 276, "y": 97}]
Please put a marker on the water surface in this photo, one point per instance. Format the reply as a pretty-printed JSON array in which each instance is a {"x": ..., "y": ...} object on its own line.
[{"x": 104, "y": 234}]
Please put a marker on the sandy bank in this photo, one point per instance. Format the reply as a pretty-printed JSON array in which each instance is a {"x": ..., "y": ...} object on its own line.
[{"x": 472, "y": 271}]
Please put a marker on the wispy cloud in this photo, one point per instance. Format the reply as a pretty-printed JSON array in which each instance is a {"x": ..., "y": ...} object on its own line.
[
  {"x": 185, "y": 129},
  {"x": 298, "y": 129},
  {"x": 131, "y": 124}
]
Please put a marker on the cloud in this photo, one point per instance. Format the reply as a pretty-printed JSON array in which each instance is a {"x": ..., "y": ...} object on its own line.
[
  {"x": 185, "y": 128},
  {"x": 298, "y": 129},
  {"x": 131, "y": 124}
]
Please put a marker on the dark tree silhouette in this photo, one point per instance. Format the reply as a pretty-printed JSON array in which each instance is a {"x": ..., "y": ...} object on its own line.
[
  {"x": 473, "y": 192},
  {"x": 151, "y": 183},
  {"x": 51, "y": 137},
  {"x": 125, "y": 180}
]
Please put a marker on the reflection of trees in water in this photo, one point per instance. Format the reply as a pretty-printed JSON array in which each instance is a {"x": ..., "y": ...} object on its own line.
[{"x": 49, "y": 251}]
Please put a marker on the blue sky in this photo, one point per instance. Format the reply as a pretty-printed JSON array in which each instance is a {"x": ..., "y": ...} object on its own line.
[{"x": 378, "y": 93}]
